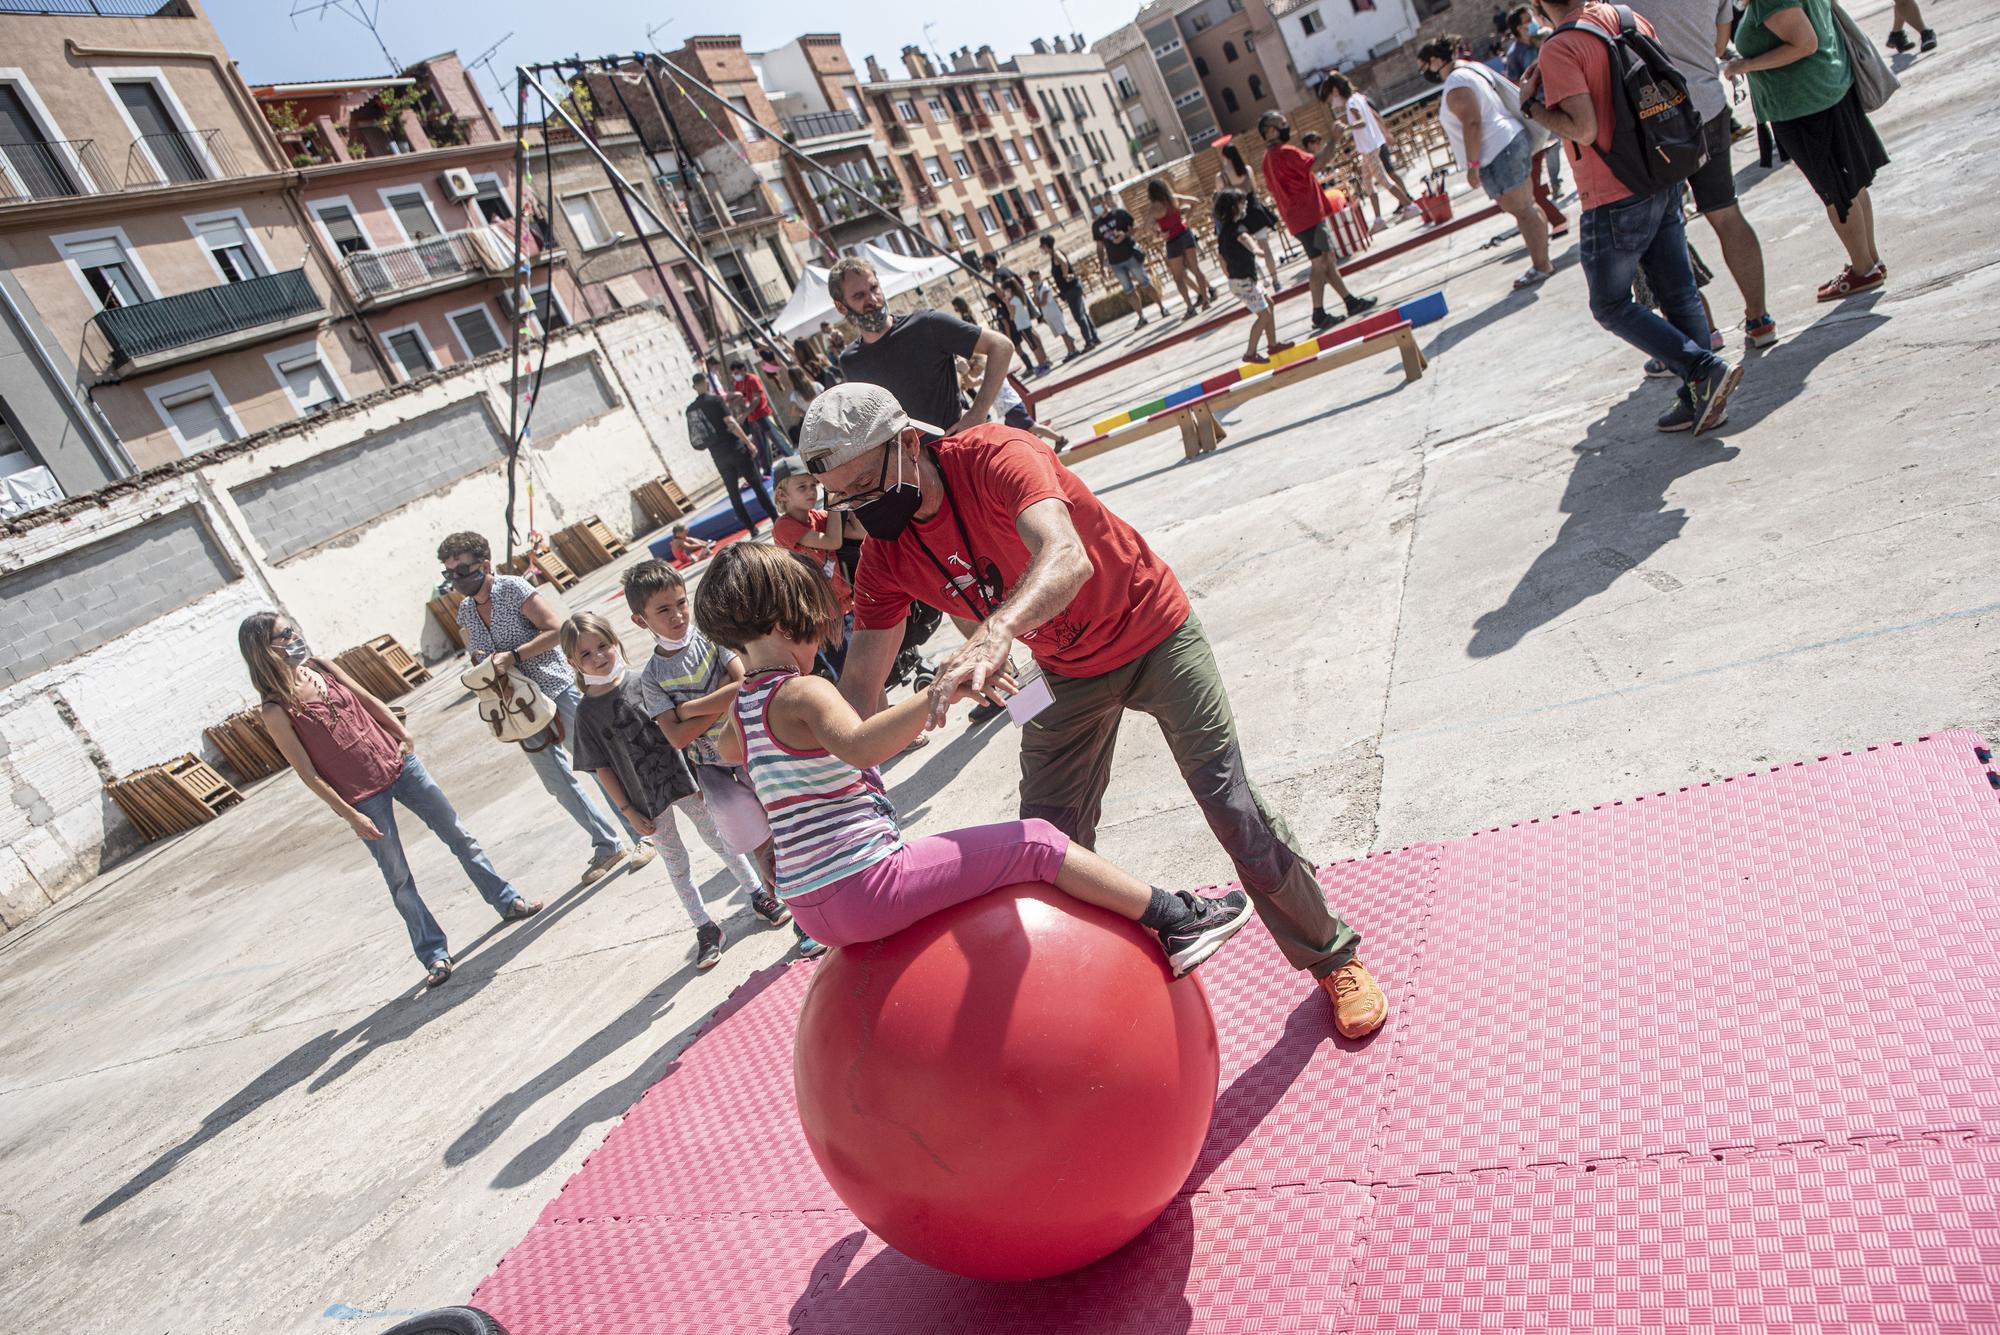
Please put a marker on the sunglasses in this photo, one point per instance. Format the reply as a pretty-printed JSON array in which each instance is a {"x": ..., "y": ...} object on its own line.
[
  {"x": 463, "y": 572},
  {"x": 861, "y": 499},
  {"x": 285, "y": 636}
]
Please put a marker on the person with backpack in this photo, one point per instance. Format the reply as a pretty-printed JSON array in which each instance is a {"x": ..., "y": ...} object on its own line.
[
  {"x": 1600, "y": 65},
  {"x": 1494, "y": 146},
  {"x": 1802, "y": 82},
  {"x": 714, "y": 429}
]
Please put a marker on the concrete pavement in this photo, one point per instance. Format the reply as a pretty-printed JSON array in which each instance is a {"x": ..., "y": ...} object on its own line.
[{"x": 1490, "y": 595}]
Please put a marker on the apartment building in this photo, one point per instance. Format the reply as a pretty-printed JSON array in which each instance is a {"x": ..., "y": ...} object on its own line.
[
  {"x": 1369, "y": 40},
  {"x": 1082, "y": 111},
  {"x": 724, "y": 180},
  {"x": 973, "y": 147},
  {"x": 192, "y": 262},
  {"x": 1243, "y": 64},
  {"x": 409, "y": 184},
  {"x": 813, "y": 89},
  {"x": 1143, "y": 99}
]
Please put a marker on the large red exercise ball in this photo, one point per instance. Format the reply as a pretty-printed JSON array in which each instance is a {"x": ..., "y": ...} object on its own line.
[{"x": 1009, "y": 1089}]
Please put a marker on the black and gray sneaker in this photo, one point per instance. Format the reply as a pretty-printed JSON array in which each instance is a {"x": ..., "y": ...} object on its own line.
[
  {"x": 707, "y": 946},
  {"x": 1356, "y": 305},
  {"x": 767, "y": 907},
  {"x": 1703, "y": 404},
  {"x": 808, "y": 948},
  {"x": 1214, "y": 921},
  {"x": 1929, "y": 42}
]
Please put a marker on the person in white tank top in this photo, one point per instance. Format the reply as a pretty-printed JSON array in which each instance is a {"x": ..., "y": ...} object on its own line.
[{"x": 1371, "y": 144}]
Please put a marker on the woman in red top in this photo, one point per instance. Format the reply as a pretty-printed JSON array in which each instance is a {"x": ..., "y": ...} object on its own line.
[
  {"x": 358, "y": 759},
  {"x": 1182, "y": 260}
]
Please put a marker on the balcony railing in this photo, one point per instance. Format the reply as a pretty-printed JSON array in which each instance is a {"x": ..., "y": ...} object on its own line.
[
  {"x": 822, "y": 125},
  {"x": 899, "y": 134},
  {"x": 375, "y": 274},
  {"x": 117, "y": 9},
  {"x": 51, "y": 169},
  {"x": 748, "y": 207},
  {"x": 178, "y": 157},
  {"x": 132, "y": 332}
]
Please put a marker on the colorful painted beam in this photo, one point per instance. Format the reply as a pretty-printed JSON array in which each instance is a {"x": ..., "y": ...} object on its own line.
[{"x": 1422, "y": 310}]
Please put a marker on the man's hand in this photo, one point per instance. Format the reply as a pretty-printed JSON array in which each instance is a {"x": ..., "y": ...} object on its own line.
[
  {"x": 969, "y": 421},
  {"x": 1531, "y": 85},
  {"x": 978, "y": 668}
]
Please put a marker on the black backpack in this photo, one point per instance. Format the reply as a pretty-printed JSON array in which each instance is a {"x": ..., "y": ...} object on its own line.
[
  {"x": 701, "y": 431},
  {"x": 1656, "y": 134}
]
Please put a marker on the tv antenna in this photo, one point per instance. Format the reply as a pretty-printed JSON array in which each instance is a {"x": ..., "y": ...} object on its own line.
[
  {"x": 367, "y": 13},
  {"x": 485, "y": 59}
]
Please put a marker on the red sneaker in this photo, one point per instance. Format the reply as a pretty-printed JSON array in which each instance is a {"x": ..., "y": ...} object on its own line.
[{"x": 1848, "y": 282}]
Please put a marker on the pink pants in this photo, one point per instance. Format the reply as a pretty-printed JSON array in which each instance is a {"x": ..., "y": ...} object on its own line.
[{"x": 926, "y": 875}]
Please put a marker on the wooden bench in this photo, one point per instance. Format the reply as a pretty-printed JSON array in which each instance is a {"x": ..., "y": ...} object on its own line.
[
  {"x": 166, "y": 799},
  {"x": 384, "y": 667},
  {"x": 1195, "y": 417},
  {"x": 588, "y": 545},
  {"x": 662, "y": 501}
]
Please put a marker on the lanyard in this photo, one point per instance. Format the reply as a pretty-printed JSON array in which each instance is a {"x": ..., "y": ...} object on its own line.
[{"x": 989, "y": 593}]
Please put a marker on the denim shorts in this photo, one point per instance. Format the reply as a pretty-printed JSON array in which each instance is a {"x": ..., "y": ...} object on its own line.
[
  {"x": 1510, "y": 168},
  {"x": 1131, "y": 273}
]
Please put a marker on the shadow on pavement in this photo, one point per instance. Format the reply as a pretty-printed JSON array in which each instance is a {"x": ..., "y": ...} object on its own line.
[{"x": 388, "y": 1024}]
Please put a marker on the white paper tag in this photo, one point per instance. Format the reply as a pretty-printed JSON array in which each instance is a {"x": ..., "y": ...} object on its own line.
[{"x": 1033, "y": 697}]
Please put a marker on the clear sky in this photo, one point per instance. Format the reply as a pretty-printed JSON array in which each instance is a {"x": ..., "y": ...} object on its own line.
[{"x": 273, "y": 47}]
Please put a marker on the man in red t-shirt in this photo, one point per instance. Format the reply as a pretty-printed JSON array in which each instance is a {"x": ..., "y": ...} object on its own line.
[
  {"x": 757, "y": 416},
  {"x": 1292, "y": 176},
  {"x": 987, "y": 526},
  {"x": 1569, "y": 92}
]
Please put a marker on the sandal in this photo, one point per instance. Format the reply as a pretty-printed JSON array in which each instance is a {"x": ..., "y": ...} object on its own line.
[
  {"x": 1530, "y": 278},
  {"x": 521, "y": 908},
  {"x": 1848, "y": 282},
  {"x": 1061, "y": 442},
  {"x": 438, "y": 973}
]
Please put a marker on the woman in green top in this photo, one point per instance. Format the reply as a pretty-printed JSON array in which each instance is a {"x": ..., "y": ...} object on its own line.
[{"x": 1803, "y": 87}]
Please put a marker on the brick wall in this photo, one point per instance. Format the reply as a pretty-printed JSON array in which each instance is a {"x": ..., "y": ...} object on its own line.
[
  {"x": 82, "y": 599},
  {"x": 571, "y": 394},
  {"x": 300, "y": 507}
]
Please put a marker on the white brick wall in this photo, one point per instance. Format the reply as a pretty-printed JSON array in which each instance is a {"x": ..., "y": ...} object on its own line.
[{"x": 148, "y": 693}]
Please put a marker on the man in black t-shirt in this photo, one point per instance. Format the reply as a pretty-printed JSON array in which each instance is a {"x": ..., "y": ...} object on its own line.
[
  {"x": 1112, "y": 226},
  {"x": 915, "y": 356},
  {"x": 713, "y": 428}
]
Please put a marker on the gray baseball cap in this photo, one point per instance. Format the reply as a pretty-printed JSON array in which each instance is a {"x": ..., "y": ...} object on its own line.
[{"x": 849, "y": 420}]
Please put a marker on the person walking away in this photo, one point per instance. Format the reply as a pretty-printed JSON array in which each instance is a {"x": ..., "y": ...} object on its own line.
[
  {"x": 1695, "y": 34},
  {"x": 1907, "y": 15},
  {"x": 758, "y": 418},
  {"x": 1802, "y": 84},
  {"x": 990, "y": 527},
  {"x": 1239, "y": 265},
  {"x": 357, "y": 757},
  {"x": 517, "y": 625},
  {"x": 1524, "y": 48},
  {"x": 843, "y": 865},
  {"x": 1183, "y": 250},
  {"x": 1371, "y": 145},
  {"x": 1021, "y": 317},
  {"x": 713, "y": 428},
  {"x": 648, "y": 778},
  {"x": 1569, "y": 92},
  {"x": 1292, "y": 176},
  {"x": 1495, "y": 150},
  {"x": 1259, "y": 223},
  {"x": 1050, "y": 306},
  {"x": 1118, "y": 250},
  {"x": 1069, "y": 285},
  {"x": 914, "y": 356}
]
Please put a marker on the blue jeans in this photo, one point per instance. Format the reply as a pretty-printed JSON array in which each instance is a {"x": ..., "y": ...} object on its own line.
[
  {"x": 1646, "y": 230},
  {"x": 415, "y": 789},
  {"x": 772, "y": 443},
  {"x": 552, "y": 768}
]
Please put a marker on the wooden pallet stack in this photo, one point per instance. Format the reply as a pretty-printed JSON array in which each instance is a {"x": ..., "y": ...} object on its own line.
[
  {"x": 166, "y": 799},
  {"x": 444, "y": 611},
  {"x": 384, "y": 667},
  {"x": 588, "y": 545},
  {"x": 245, "y": 745},
  {"x": 662, "y": 501},
  {"x": 541, "y": 565}
]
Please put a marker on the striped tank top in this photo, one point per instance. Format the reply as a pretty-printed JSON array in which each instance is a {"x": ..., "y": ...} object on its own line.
[{"x": 828, "y": 819}]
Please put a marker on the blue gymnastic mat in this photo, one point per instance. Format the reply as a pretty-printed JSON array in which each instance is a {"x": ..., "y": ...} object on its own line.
[{"x": 712, "y": 522}]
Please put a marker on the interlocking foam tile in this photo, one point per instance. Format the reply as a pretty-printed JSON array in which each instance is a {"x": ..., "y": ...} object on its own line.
[
  {"x": 1299, "y": 1102},
  {"x": 1745, "y": 1034},
  {"x": 1885, "y": 1238},
  {"x": 1235, "y": 1261},
  {"x": 1800, "y": 954}
]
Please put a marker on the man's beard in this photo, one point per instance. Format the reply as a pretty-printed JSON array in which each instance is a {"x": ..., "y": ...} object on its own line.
[{"x": 870, "y": 322}]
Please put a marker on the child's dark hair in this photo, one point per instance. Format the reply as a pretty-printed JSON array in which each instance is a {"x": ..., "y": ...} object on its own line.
[
  {"x": 754, "y": 589},
  {"x": 1228, "y": 207},
  {"x": 644, "y": 581}
]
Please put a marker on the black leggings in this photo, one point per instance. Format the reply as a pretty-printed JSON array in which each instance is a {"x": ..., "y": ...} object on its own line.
[
  {"x": 1073, "y": 297},
  {"x": 737, "y": 469}
]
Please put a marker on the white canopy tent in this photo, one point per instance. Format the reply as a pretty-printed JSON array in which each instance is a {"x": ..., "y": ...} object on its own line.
[{"x": 810, "y": 304}]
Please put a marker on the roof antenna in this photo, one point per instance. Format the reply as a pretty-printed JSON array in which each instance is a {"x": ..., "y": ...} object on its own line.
[
  {"x": 367, "y": 13},
  {"x": 485, "y": 58}
]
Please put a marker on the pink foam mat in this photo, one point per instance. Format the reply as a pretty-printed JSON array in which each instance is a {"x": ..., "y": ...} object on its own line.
[{"x": 1726, "y": 1058}]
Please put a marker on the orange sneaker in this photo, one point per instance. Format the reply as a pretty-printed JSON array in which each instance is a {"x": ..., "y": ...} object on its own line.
[{"x": 1359, "y": 1007}]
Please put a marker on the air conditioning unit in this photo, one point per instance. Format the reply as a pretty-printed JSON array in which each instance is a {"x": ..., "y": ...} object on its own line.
[{"x": 458, "y": 183}]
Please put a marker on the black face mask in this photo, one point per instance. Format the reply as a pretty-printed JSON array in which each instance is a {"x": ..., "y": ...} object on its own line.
[
  {"x": 469, "y": 584},
  {"x": 889, "y": 514},
  {"x": 1433, "y": 76}
]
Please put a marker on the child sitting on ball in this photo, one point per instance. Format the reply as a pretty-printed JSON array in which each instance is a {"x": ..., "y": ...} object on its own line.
[{"x": 843, "y": 867}]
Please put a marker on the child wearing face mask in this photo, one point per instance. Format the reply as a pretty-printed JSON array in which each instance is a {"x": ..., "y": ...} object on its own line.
[{"x": 647, "y": 777}]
